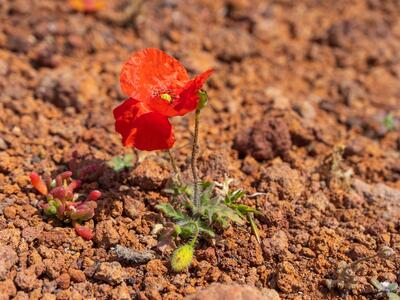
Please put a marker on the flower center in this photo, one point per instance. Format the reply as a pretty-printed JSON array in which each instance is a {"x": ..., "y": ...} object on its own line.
[{"x": 166, "y": 97}]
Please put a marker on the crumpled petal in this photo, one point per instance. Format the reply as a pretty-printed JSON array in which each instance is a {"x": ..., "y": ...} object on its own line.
[
  {"x": 150, "y": 71},
  {"x": 189, "y": 96},
  {"x": 186, "y": 100},
  {"x": 141, "y": 128}
]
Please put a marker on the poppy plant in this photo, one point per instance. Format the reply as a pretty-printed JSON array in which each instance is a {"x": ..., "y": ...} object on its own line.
[{"x": 158, "y": 88}]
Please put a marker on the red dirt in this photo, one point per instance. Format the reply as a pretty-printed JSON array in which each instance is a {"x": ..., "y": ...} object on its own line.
[{"x": 295, "y": 83}]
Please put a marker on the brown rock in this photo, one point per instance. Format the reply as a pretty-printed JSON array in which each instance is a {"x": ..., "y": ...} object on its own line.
[
  {"x": 105, "y": 234},
  {"x": 110, "y": 272},
  {"x": 287, "y": 280},
  {"x": 7, "y": 289},
  {"x": 53, "y": 238},
  {"x": 149, "y": 175},
  {"x": 77, "y": 275},
  {"x": 265, "y": 140},
  {"x": 63, "y": 281},
  {"x": 219, "y": 291},
  {"x": 8, "y": 258},
  {"x": 386, "y": 197},
  {"x": 68, "y": 87},
  {"x": 121, "y": 293},
  {"x": 132, "y": 206},
  {"x": 232, "y": 45},
  {"x": 31, "y": 233},
  {"x": 10, "y": 212},
  {"x": 276, "y": 245},
  {"x": 282, "y": 181},
  {"x": 26, "y": 279},
  {"x": 156, "y": 267}
]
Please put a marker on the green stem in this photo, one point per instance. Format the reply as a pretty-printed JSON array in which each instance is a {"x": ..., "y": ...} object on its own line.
[
  {"x": 194, "y": 159},
  {"x": 196, "y": 235}
]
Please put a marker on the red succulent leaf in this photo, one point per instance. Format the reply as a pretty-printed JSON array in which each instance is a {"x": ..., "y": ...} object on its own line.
[
  {"x": 60, "y": 212},
  {"x": 93, "y": 196},
  {"x": 141, "y": 128},
  {"x": 72, "y": 186},
  {"x": 38, "y": 183},
  {"x": 82, "y": 213},
  {"x": 84, "y": 232},
  {"x": 58, "y": 192}
]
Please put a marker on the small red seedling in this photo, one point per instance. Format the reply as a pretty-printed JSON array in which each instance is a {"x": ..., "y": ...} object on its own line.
[
  {"x": 63, "y": 203},
  {"x": 38, "y": 183}
]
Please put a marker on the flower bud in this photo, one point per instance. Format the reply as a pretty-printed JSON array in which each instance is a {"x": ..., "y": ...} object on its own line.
[
  {"x": 203, "y": 99},
  {"x": 182, "y": 258},
  {"x": 38, "y": 183}
]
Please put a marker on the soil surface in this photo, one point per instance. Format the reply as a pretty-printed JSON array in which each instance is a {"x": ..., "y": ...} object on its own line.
[{"x": 304, "y": 110}]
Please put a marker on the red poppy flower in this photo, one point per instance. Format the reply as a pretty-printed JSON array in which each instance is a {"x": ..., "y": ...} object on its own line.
[
  {"x": 159, "y": 87},
  {"x": 142, "y": 128}
]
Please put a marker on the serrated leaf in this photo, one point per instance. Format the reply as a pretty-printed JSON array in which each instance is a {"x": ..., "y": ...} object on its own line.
[
  {"x": 242, "y": 208},
  {"x": 206, "y": 230},
  {"x": 232, "y": 197},
  {"x": 170, "y": 212}
]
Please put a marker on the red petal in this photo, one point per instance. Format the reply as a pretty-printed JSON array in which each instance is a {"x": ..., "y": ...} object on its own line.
[
  {"x": 142, "y": 129},
  {"x": 151, "y": 71},
  {"x": 189, "y": 96},
  {"x": 125, "y": 115}
]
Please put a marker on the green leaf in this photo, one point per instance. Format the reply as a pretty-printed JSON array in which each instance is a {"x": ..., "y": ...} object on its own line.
[
  {"x": 377, "y": 284},
  {"x": 207, "y": 230},
  {"x": 170, "y": 212},
  {"x": 242, "y": 208},
  {"x": 187, "y": 231},
  {"x": 393, "y": 296},
  {"x": 254, "y": 227},
  {"x": 388, "y": 121},
  {"x": 392, "y": 287},
  {"x": 232, "y": 197},
  {"x": 118, "y": 163}
]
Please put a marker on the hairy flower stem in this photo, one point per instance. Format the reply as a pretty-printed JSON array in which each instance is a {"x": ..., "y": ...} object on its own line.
[
  {"x": 355, "y": 263},
  {"x": 174, "y": 167},
  {"x": 194, "y": 159},
  {"x": 196, "y": 234}
]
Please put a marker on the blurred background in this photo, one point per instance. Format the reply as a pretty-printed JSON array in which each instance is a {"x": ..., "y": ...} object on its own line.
[{"x": 293, "y": 82}]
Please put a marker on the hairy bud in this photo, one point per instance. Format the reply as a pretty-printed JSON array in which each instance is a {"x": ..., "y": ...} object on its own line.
[{"x": 182, "y": 258}]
